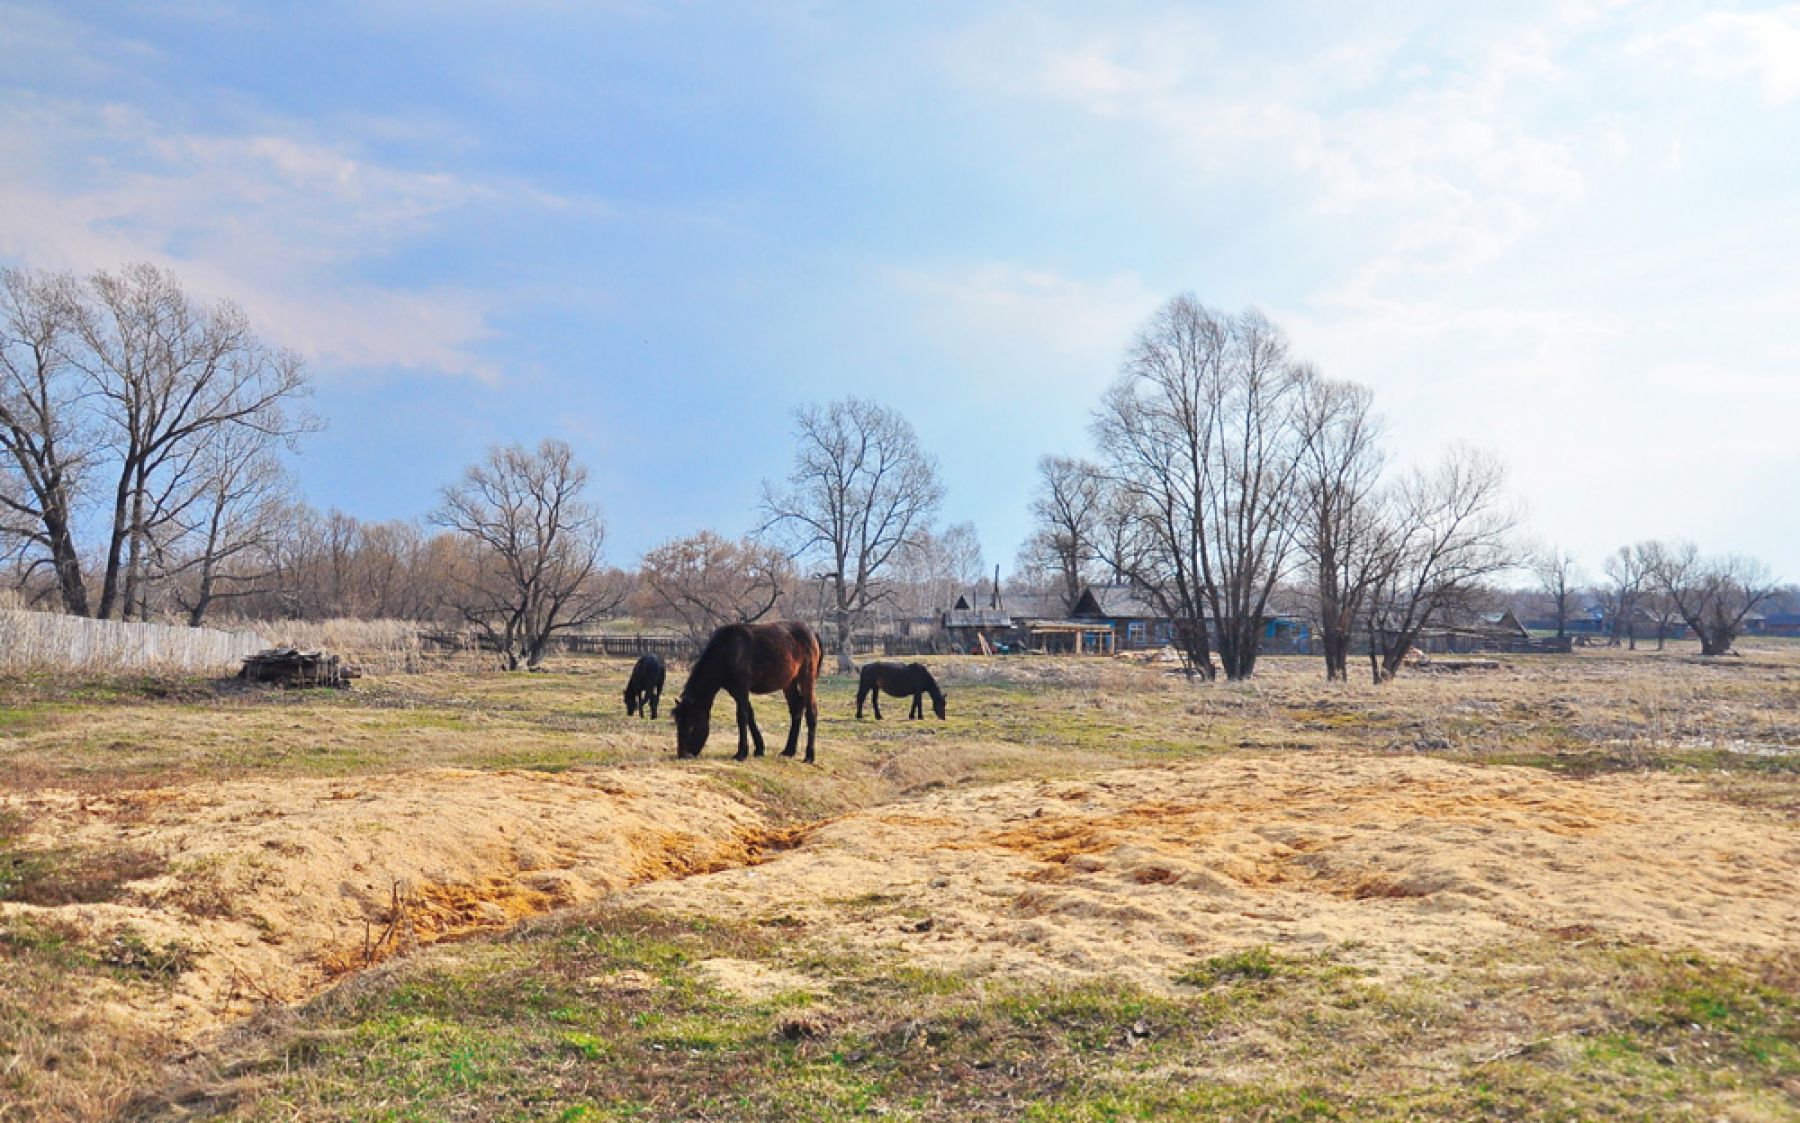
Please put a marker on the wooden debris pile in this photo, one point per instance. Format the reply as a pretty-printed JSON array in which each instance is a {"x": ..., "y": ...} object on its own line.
[{"x": 289, "y": 666}]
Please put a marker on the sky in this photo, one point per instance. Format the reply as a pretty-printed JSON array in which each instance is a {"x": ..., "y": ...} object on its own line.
[{"x": 1566, "y": 231}]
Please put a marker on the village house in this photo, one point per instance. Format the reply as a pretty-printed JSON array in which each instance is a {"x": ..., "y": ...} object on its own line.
[{"x": 1128, "y": 612}]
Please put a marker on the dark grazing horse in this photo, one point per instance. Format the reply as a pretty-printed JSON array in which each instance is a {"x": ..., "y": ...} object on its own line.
[
  {"x": 644, "y": 690},
  {"x": 746, "y": 659},
  {"x": 898, "y": 680}
]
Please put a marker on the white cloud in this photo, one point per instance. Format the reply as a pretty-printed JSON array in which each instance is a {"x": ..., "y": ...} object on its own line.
[
  {"x": 1510, "y": 227},
  {"x": 1763, "y": 45},
  {"x": 283, "y": 224},
  {"x": 1448, "y": 171}
]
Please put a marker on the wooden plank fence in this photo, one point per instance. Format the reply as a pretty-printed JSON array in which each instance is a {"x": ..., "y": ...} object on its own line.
[
  {"x": 630, "y": 646},
  {"x": 618, "y": 646},
  {"x": 47, "y": 641}
]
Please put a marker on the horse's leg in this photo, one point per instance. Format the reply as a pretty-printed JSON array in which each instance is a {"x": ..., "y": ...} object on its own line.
[
  {"x": 918, "y": 708},
  {"x": 795, "y": 706},
  {"x": 875, "y": 700},
  {"x": 747, "y": 717},
  {"x": 655, "y": 697},
  {"x": 743, "y": 716},
  {"x": 812, "y": 718},
  {"x": 861, "y": 693}
]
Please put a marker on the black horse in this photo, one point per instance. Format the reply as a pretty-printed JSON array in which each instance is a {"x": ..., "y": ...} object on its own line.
[
  {"x": 746, "y": 659},
  {"x": 644, "y": 690},
  {"x": 899, "y": 680}
]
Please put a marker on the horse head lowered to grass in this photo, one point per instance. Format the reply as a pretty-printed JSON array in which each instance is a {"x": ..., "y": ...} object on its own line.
[
  {"x": 746, "y": 659},
  {"x": 645, "y": 689},
  {"x": 899, "y": 680}
]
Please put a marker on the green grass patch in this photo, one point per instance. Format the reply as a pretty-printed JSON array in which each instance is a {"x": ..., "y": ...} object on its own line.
[{"x": 611, "y": 1019}]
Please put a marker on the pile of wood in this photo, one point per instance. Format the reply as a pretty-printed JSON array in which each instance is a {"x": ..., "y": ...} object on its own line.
[
  {"x": 289, "y": 666},
  {"x": 1455, "y": 666}
]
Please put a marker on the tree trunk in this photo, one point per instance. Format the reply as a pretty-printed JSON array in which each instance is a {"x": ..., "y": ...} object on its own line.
[
  {"x": 846, "y": 661},
  {"x": 203, "y": 598},
  {"x": 1716, "y": 640},
  {"x": 1336, "y": 644},
  {"x": 134, "y": 600},
  {"x": 115, "y": 546},
  {"x": 1238, "y": 642},
  {"x": 1191, "y": 634},
  {"x": 1393, "y": 652},
  {"x": 67, "y": 562}
]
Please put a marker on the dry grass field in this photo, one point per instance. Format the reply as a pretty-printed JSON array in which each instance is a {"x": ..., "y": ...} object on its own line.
[{"x": 1568, "y": 888}]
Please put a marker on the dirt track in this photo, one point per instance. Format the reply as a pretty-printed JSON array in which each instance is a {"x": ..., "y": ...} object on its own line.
[{"x": 1393, "y": 862}]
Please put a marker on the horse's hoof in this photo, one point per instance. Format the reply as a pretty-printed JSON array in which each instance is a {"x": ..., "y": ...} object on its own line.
[{"x": 741, "y": 757}]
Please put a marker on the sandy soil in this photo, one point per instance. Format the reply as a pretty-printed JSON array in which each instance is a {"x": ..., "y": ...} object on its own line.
[
  {"x": 1392, "y": 862},
  {"x": 280, "y": 888}
]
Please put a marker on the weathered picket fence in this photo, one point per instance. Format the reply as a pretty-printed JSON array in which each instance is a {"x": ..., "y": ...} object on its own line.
[{"x": 47, "y": 641}]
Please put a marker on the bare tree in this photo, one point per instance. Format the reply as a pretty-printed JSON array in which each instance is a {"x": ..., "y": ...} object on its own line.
[
  {"x": 1343, "y": 529},
  {"x": 861, "y": 487},
  {"x": 1200, "y": 435},
  {"x": 932, "y": 568},
  {"x": 1623, "y": 593},
  {"x": 1122, "y": 542},
  {"x": 1712, "y": 595},
  {"x": 1449, "y": 531},
  {"x": 1558, "y": 575},
  {"x": 167, "y": 374},
  {"x": 704, "y": 581},
  {"x": 46, "y": 446},
  {"x": 534, "y": 548},
  {"x": 333, "y": 565},
  {"x": 396, "y": 572},
  {"x": 1066, "y": 511},
  {"x": 1653, "y": 558},
  {"x": 230, "y": 524}
]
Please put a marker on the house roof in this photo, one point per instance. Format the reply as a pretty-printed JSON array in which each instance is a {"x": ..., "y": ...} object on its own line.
[
  {"x": 1035, "y": 606},
  {"x": 977, "y": 618},
  {"x": 1117, "y": 602},
  {"x": 1506, "y": 621}
]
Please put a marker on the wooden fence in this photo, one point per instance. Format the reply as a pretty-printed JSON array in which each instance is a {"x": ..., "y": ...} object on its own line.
[
  {"x": 630, "y": 646},
  {"x": 627, "y": 647},
  {"x": 46, "y": 641}
]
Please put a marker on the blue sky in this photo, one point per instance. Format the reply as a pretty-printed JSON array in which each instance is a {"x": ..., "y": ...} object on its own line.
[{"x": 1564, "y": 230}]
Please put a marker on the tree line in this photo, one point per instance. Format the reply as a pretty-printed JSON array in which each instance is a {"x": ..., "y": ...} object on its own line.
[
  {"x": 141, "y": 433},
  {"x": 1226, "y": 469},
  {"x": 1661, "y": 587}
]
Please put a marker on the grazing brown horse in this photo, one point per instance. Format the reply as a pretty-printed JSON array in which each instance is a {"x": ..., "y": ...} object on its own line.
[
  {"x": 746, "y": 659},
  {"x": 644, "y": 690},
  {"x": 899, "y": 680}
]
